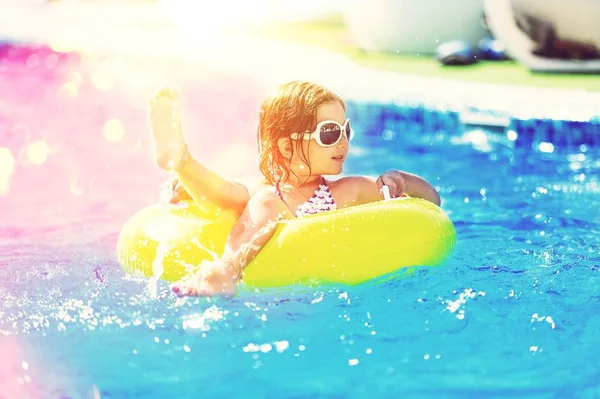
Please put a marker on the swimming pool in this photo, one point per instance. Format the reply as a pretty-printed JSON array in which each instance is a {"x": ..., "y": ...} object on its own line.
[{"x": 513, "y": 313}]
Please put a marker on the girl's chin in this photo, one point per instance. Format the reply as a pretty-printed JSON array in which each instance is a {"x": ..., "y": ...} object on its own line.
[
  {"x": 334, "y": 171},
  {"x": 331, "y": 170}
]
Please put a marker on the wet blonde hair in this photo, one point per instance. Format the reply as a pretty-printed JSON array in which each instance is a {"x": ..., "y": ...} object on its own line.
[{"x": 291, "y": 109}]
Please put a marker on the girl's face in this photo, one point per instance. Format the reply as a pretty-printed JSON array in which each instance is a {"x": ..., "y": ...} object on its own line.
[{"x": 323, "y": 160}]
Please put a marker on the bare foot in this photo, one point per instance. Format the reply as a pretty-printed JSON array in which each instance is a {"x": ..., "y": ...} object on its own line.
[
  {"x": 215, "y": 278},
  {"x": 165, "y": 117}
]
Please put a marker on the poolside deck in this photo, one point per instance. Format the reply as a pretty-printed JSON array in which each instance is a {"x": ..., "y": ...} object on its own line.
[{"x": 271, "y": 55}]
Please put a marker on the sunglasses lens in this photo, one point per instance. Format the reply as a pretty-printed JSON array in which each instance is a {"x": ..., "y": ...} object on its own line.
[
  {"x": 348, "y": 131},
  {"x": 330, "y": 133}
]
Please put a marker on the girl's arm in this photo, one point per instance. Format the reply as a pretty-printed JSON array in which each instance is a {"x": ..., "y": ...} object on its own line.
[
  {"x": 250, "y": 233},
  {"x": 415, "y": 186},
  {"x": 400, "y": 183},
  {"x": 200, "y": 182},
  {"x": 172, "y": 154}
]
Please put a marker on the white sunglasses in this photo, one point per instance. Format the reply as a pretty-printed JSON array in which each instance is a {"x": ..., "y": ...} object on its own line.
[{"x": 327, "y": 133}]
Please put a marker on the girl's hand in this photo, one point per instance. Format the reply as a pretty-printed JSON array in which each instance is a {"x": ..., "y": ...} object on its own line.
[
  {"x": 396, "y": 182},
  {"x": 179, "y": 193},
  {"x": 215, "y": 278},
  {"x": 173, "y": 192}
]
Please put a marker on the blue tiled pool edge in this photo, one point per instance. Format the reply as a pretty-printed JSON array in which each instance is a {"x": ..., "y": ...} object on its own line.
[{"x": 391, "y": 119}]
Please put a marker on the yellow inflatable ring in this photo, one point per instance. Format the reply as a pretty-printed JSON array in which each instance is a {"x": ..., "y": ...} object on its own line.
[{"x": 347, "y": 246}]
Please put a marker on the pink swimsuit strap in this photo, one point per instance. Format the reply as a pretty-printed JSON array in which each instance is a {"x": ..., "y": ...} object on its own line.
[{"x": 321, "y": 201}]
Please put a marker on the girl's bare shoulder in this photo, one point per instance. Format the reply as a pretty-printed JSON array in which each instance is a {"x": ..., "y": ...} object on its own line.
[{"x": 254, "y": 185}]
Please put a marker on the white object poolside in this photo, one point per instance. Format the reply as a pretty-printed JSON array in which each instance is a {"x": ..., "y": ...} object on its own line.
[
  {"x": 411, "y": 26},
  {"x": 574, "y": 20}
]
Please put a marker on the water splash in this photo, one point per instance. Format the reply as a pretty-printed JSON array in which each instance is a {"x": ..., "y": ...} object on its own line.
[{"x": 158, "y": 268}]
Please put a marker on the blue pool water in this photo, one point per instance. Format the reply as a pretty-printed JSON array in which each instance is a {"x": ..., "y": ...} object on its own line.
[{"x": 513, "y": 313}]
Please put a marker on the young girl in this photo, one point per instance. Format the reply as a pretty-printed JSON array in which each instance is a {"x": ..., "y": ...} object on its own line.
[{"x": 303, "y": 135}]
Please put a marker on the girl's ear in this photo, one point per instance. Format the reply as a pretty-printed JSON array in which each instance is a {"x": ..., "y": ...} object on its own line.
[{"x": 284, "y": 145}]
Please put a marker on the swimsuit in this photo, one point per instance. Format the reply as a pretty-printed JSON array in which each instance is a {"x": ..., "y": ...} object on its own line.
[{"x": 321, "y": 201}]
